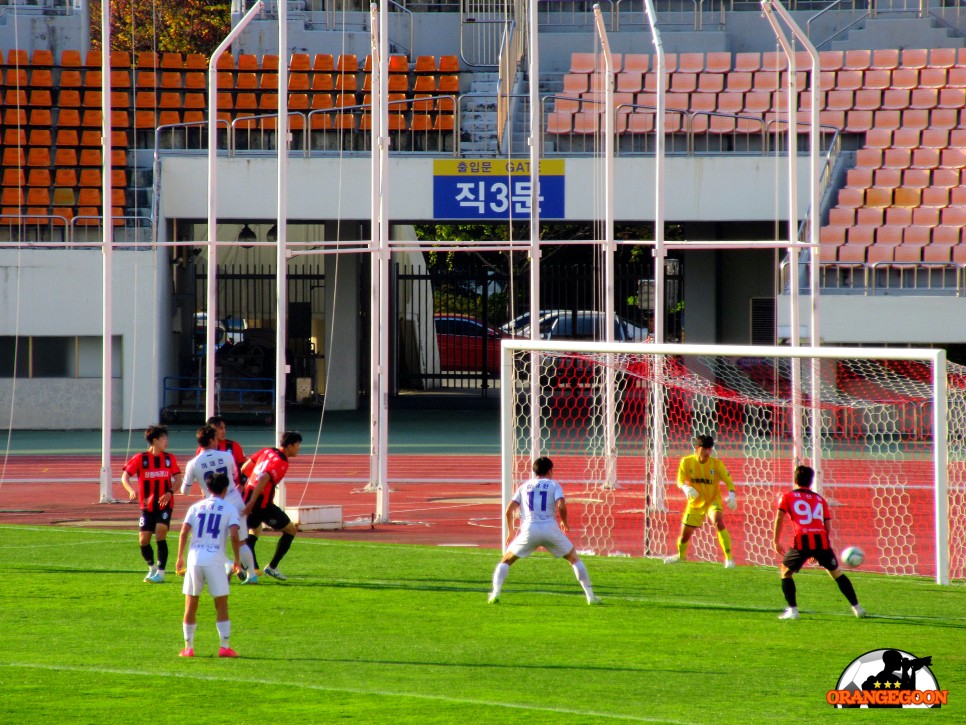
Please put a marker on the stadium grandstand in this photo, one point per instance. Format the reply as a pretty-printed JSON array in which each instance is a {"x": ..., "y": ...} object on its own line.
[{"x": 892, "y": 180}]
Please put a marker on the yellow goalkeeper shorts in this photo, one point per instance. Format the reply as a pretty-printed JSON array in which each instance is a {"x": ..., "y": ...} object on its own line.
[{"x": 695, "y": 515}]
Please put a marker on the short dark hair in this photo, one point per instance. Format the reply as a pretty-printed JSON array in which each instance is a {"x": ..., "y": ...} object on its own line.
[
  {"x": 215, "y": 421},
  {"x": 703, "y": 442},
  {"x": 542, "y": 466},
  {"x": 218, "y": 483},
  {"x": 804, "y": 475},
  {"x": 153, "y": 432},
  {"x": 289, "y": 438},
  {"x": 205, "y": 435}
]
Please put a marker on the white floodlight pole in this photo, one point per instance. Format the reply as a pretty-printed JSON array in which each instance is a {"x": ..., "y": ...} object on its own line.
[
  {"x": 770, "y": 6},
  {"x": 610, "y": 406},
  {"x": 382, "y": 97},
  {"x": 107, "y": 265},
  {"x": 940, "y": 454},
  {"x": 533, "y": 73},
  {"x": 657, "y": 420},
  {"x": 281, "y": 251},
  {"x": 212, "y": 277}
]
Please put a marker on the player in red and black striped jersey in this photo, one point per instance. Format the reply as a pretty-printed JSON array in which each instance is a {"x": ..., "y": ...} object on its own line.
[
  {"x": 223, "y": 444},
  {"x": 265, "y": 470},
  {"x": 157, "y": 474},
  {"x": 810, "y": 517}
]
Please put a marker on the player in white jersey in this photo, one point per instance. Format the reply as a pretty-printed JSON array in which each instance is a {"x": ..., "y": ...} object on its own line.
[
  {"x": 210, "y": 523},
  {"x": 540, "y": 501},
  {"x": 201, "y": 468}
]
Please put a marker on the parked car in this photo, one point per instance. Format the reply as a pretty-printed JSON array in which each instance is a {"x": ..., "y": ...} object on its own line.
[
  {"x": 580, "y": 325},
  {"x": 464, "y": 342}
]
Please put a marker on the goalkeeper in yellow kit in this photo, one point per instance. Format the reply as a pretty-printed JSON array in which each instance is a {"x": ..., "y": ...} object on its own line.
[{"x": 700, "y": 476}]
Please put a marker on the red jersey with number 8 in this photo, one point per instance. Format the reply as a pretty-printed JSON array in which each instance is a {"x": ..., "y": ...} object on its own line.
[{"x": 808, "y": 512}]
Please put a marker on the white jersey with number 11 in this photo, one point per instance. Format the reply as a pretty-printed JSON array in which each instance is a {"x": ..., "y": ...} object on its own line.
[{"x": 538, "y": 500}]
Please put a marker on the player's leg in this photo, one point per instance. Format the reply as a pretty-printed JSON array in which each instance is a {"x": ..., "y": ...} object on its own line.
[
  {"x": 724, "y": 538},
  {"x": 245, "y": 555},
  {"x": 190, "y": 622},
  {"x": 223, "y": 624},
  {"x": 146, "y": 530},
  {"x": 580, "y": 571},
  {"x": 692, "y": 520},
  {"x": 792, "y": 562},
  {"x": 161, "y": 536},
  {"x": 279, "y": 521},
  {"x": 831, "y": 564},
  {"x": 499, "y": 576},
  {"x": 254, "y": 524}
]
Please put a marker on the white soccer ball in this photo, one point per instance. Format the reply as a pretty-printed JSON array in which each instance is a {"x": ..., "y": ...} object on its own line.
[{"x": 852, "y": 556}]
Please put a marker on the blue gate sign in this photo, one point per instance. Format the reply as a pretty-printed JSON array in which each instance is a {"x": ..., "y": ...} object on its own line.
[{"x": 500, "y": 189}]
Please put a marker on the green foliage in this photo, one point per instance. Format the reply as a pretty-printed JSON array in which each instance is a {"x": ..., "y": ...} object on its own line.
[
  {"x": 387, "y": 633},
  {"x": 181, "y": 26}
]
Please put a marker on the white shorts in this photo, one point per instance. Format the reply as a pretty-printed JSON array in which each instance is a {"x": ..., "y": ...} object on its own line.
[
  {"x": 214, "y": 575},
  {"x": 550, "y": 537}
]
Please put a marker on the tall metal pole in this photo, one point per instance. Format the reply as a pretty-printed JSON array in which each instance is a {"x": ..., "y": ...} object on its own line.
[
  {"x": 211, "y": 324},
  {"x": 107, "y": 263},
  {"x": 657, "y": 418},
  {"x": 382, "y": 501},
  {"x": 610, "y": 402},
  {"x": 533, "y": 76},
  {"x": 281, "y": 255}
]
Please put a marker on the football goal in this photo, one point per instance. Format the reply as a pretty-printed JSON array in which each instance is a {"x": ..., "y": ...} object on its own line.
[{"x": 885, "y": 430}]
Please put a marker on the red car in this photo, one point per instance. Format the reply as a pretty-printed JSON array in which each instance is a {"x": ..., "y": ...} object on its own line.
[{"x": 466, "y": 344}]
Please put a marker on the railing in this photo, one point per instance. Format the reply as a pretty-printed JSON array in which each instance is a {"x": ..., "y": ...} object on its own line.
[
  {"x": 864, "y": 278},
  {"x": 54, "y": 231}
]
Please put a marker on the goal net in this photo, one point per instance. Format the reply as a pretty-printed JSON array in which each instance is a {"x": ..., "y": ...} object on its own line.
[{"x": 884, "y": 432}]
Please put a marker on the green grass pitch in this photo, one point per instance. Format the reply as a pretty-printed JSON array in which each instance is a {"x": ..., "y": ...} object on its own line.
[{"x": 398, "y": 634}]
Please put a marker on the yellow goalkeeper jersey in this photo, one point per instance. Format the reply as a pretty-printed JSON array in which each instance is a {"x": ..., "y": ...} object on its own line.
[{"x": 704, "y": 477}]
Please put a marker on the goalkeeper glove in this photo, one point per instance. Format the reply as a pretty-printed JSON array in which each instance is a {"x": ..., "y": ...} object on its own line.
[
  {"x": 690, "y": 491},
  {"x": 732, "y": 500}
]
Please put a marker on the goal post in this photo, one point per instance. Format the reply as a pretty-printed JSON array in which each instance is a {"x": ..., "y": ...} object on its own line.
[{"x": 884, "y": 432}]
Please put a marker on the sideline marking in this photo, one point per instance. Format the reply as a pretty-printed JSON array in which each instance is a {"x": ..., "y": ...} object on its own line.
[{"x": 350, "y": 690}]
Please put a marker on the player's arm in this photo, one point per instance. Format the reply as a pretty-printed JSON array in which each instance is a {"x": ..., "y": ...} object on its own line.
[
  {"x": 684, "y": 481},
  {"x": 511, "y": 510},
  {"x": 126, "y": 482},
  {"x": 189, "y": 477},
  {"x": 235, "y": 545},
  {"x": 562, "y": 513},
  {"x": 732, "y": 498},
  {"x": 263, "y": 479},
  {"x": 779, "y": 524},
  {"x": 234, "y": 473},
  {"x": 179, "y": 566}
]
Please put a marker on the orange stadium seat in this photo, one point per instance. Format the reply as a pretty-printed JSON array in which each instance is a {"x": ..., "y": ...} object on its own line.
[
  {"x": 915, "y": 58},
  {"x": 885, "y": 59},
  {"x": 747, "y": 62}
]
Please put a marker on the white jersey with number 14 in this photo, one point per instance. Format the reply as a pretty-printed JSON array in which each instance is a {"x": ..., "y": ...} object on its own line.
[{"x": 210, "y": 520}]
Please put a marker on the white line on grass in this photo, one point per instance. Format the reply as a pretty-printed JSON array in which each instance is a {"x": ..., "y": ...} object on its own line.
[{"x": 234, "y": 679}]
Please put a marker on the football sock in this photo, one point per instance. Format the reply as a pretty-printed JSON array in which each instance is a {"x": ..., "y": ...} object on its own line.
[
  {"x": 247, "y": 560},
  {"x": 281, "y": 549},
  {"x": 845, "y": 586},
  {"x": 682, "y": 549},
  {"x": 252, "y": 540},
  {"x": 788, "y": 589},
  {"x": 189, "y": 634},
  {"x": 580, "y": 571},
  {"x": 224, "y": 631},
  {"x": 162, "y": 554},
  {"x": 724, "y": 538},
  {"x": 499, "y": 576},
  {"x": 147, "y": 553}
]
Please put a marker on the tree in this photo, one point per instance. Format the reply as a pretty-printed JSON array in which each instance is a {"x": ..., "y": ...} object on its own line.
[{"x": 174, "y": 26}]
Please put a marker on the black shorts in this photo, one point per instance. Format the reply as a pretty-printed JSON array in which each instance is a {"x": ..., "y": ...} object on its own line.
[
  {"x": 150, "y": 519},
  {"x": 272, "y": 516},
  {"x": 795, "y": 559}
]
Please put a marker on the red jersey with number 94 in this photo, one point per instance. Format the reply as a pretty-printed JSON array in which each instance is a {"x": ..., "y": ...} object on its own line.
[
  {"x": 273, "y": 462},
  {"x": 808, "y": 512}
]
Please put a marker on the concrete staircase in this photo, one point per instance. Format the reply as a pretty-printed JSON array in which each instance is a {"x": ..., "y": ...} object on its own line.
[
  {"x": 478, "y": 116},
  {"x": 894, "y": 31}
]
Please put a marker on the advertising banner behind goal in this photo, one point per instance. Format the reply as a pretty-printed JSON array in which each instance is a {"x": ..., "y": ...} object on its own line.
[{"x": 884, "y": 432}]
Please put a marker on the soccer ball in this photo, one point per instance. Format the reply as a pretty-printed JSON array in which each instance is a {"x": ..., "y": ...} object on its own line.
[{"x": 852, "y": 556}]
